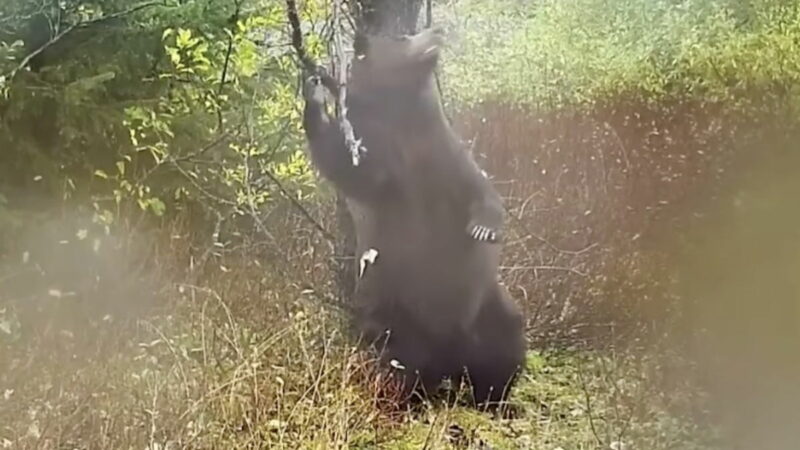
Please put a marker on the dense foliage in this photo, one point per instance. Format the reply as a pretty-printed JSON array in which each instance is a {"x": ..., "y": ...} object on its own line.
[
  {"x": 151, "y": 105},
  {"x": 158, "y": 104},
  {"x": 554, "y": 52}
]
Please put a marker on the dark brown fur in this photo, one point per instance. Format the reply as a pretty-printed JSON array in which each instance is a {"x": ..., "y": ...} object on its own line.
[{"x": 432, "y": 298}]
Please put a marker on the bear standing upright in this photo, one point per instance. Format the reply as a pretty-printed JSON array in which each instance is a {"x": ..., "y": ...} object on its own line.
[{"x": 433, "y": 300}]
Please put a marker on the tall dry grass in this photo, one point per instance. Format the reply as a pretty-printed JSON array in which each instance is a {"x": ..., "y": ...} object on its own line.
[{"x": 598, "y": 200}]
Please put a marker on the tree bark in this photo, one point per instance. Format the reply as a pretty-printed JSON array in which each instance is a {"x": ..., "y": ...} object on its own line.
[
  {"x": 346, "y": 247},
  {"x": 393, "y": 17}
]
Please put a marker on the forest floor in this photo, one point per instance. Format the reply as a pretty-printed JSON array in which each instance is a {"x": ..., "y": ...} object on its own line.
[{"x": 210, "y": 374}]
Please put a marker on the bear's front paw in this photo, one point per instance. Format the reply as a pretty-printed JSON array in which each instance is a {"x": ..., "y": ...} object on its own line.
[
  {"x": 483, "y": 233},
  {"x": 485, "y": 224},
  {"x": 314, "y": 90}
]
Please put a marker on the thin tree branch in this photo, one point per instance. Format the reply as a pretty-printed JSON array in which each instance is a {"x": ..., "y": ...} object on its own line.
[
  {"x": 235, "y": 20},
  {"x": 297, "y": 37},
  {"x": 428, "y": 13},
  {"x": 537, "y": 268},
  {"x": 200, "y": 188},
  {"x": 337, "y": 87},
  {"x": 225, "y": 66},
  {"x": 325, "y": 233},
  {"x": 350, "y": 140},
  {"x": 218, "y": 140},
  {"x": 253, "y": 210},
  {"x": 296, "y": 203},
  {"x": 26, "y": 60}
]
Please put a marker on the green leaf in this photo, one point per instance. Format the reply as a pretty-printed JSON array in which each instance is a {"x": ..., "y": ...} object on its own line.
[
  {"x": 157, "y": 206},
  {"x": 5, "y": 326}
]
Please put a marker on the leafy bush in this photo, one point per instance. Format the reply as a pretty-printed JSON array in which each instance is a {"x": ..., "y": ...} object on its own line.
[{"x": 152, "y": 106}]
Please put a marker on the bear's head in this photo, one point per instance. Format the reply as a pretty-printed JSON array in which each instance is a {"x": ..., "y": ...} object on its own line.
[{"x": 394, "y": 63}]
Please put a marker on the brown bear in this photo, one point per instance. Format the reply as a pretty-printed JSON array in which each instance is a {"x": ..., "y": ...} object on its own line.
[{"x": 431, "y": 300}]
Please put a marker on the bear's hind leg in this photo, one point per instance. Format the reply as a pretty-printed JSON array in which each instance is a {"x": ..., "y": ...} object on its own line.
[{"x": 498, "y": 351}]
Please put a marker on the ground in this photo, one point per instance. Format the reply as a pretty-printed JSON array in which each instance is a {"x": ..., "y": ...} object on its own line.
[{"x": 209, "y": 374}]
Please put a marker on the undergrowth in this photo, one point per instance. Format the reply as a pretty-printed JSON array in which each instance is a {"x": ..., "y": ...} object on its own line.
[{"x": 209, "y": 370}]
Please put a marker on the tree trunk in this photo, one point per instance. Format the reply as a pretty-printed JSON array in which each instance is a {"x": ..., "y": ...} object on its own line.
[
  {"x": 393, "y": 17},
  {"x": 346, "y": 246}
]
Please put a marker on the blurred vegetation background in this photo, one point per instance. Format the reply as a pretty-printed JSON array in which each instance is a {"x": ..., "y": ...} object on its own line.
[{"x": 167, "y": 254}]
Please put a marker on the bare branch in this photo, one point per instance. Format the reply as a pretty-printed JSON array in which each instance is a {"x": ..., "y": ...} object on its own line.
[
  {"x": 217, "y": 141},
  {"x": 428, "y": 14},
  {"x": 226, "y": 65},
  {"x": 337, "y": 87},
  {"x": 353, "y": 144},
  {"x": 297, "y": 37},
  {"x": 537, "y": 268},
  {"x": 26, "y": 60},
  {"x": 200, "y": 188}
]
